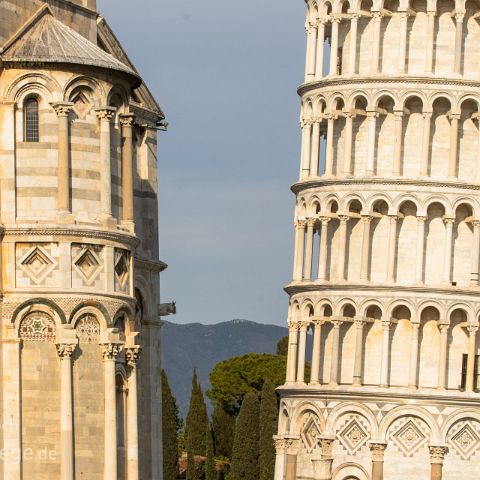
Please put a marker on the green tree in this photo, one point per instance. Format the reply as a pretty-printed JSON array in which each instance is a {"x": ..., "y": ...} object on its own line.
[
  {"x": 197, "y": 419},
  {"x": 268, "y": 428},
  {"x": 192, "y": 470},
  {"x": 244, "y": 463},
  {"x": 282, "y": 346},
  {"x": 171, "y": 423},
  {"x": 210, "y": 472},
  {"x": 231, "y": 379},
  {"x": 223, "y": 425}
]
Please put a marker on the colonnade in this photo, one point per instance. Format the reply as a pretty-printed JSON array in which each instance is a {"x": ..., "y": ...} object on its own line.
[
  {"x": 104, "y": 115},
  {"x": 311, "y": 145},
  {"x": 296, "y": 362},
  {"x": 110, "y": 352},
  {"x": 305, "y": 230},
  {"x": 316, "y": 39}
]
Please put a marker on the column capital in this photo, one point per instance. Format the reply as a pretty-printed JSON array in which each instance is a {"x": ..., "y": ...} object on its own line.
[
  {"x": 335, "y": 19},
  {"x": 398, "y": 114},
  {"x": 292, "y": 444},
  {"x": 427, "y": 115},
  {"x": 453, "y": 116},
  {"x": 377, "y": 15},
  {"x": 337, "y": 323},
  {"x": 303, "y": 325},
  {"x": 443, "y": 327},
  {"x": 348, "y": 113},
  {"x": 431, "y": 13},
  {"x": 415, "y": 325},
  {"x": 359, "y": 321},
  {"x": 66, "y": 350},
  {"x": 372, "y": 114},
  {"x": 324, "y": 220},
  {"x": 448, "y": 220},
  {"x": 355, "y": 16},
  {"x": 459, "y": 17},
  {"x": 475, "y": 222},
  {"x": 404, "y": 14},
  {"x": 127, "y": 119},
  {"x": 280, "y": 444},
  {"x": 421, "y": 219},
  {"x": 326, "y": 444},
  {"x": 378, "y": 450},
  {"x": 105, "y": 113},
  {"x": 110, "y": 351},
  {"x": 132, "y": 354},
  {"x": 300, "y": 223},
  {"x": 62, "y": 109},
  {"x": 366, "y": 218},
  {"x": 472, "y": 329},
  {"x": 437, "y": 453},
  {"x": 294, "y": 325},
  {"x": 343, "y": 218},
  {"x": 311, "y": 221},
  {"x": 322, "y": 21},
  {"x": 393, "y": 218},
  {"x": 386, "y": 323}
]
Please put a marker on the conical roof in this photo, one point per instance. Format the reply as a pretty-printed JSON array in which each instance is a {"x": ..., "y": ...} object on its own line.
[{"x": 44, "y": 39}]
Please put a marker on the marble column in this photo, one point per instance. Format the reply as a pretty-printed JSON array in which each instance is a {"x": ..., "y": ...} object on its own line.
[
  {"x": 347, "y": 160},
  {"x": 402, "y": 55},
  {"x": 329, "y": 146},
  {"x": 372, "y": 128},
  {"x": 279, "y": 442},
  {"x": 437, "y": 455},
  {"x": 352, "y": 57},
  {"x": 342, "y": 247},
  {"x": 447, "y": 275},
  {"x": 452, "y": 163},
  {"x": 377, "y": 23},
  {"x": 65, "y": 352},
  {"x": 420, "y": 247},
  {"x": 442, "y": 364},
  {"x": 105, "y": 116},
  {"x": 315, "y": 154},
  {"x": 357, "y": 368},
  {"x": 427, "y": 123},
  {"x": 477, "y": 172},
  {"x": 430, "y": 41},
  {"x": 309, "y": 248},
  {"x": 132, "y": 355},
  {"x": 110, "y": 352},
  {"x": 398, "y": 143},
  {"x": 320, "y": 49},
  {"x": 306, "y": 148},
  {"x": 322, "y": 257},
  {"x": 475, "y": 253},
  {"x": 323, "y": 467},
  {"x": 472, "y": 351},
  {"x": 385, "y": 354},
  {"x": 315, "y": 370},
  {"x": 311, "y": 30},
  {"x": 413, "y": 355},
  {"x": 292, "y": 446},
  {"x": 458, "y": 42},
  {"x": 302, "y": 346},
  {"x": 378, "y": 452},
  {"x": 334, "y": 47},
  {"x": 335, "y": 352},
  {"x": 292, "y": 352},
  {"x": 127, "y": 122},
  {"x": 299, "y": 250},
  {"x": 392, "y": 249},
  {"x": 365, "y": 261},
  {"x": 63, "y": 172}
]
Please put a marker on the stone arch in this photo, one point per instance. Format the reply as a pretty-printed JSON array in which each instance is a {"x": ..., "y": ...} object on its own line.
[
  {"x": 37, "y": 82},
  {"x": 407, "y": 237},
  {"x": 126, "y": 312},
  {"x": 120, "y": 91},
  {"x": 415, "y": 94},
  {"x": 399, "y": 304},
  {"x": 350, "y": 471},
  {"x": 89, "y": 325},
  {"x": 413, "y": 122},
  {"x": 430, "y": 317},
  {"x": 400, "y": 315},
  {"x": 37, "y": 325},
  {"x": 458, "y": 318},
  {"x": 453, "y": 418},
  {"x": 319, "y": 105},
  {"x": 410, "y": 411},
  {"x": 283, "y": 420},
  {"x": 340, "y": 307},
  {"x": 41, "y": 304},
  {"x": 372, "y": 200},
  {"x": 300, "y": 410},
  {"x": 331, "y": 204},
  {"x": 372, "y": 307},
  {"x": 471, "y": 202},
  {"x": 383, "y": 94},
  {"x": 315, "y": 206},
  {"x": 462, "y": 232},
  {"x": 101, "y": 312},
  {"x": 432, "y": 199},
  {"x": 324, "y": 308},
  {"x": 99, "y": 96},
  {"x": 399, "y": 201},
  {"x": 350, "y": 407},
  {"x": 348, "y": 201}
]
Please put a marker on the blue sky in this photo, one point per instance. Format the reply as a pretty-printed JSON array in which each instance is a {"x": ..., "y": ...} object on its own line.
[{"x": 226, "y": 74}]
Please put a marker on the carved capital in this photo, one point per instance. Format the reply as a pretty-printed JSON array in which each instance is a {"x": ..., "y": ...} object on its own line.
[
  {"x": 335, "y": 19},
  {"x": 127, "y": 119},
  {"x": 280, "y": 444},
  {"x": 437, "y": 453},
  {"x": 393, "y": 219},
  {"x": 475, "y": 223},
  {"x": 65, "y": 350},
  {"x": 378, "y": 450},
  {"x": 326, "y": 444},
  {"x": 459, "y": 17},
  {"x": 324, "y": 220},
  {"x": 372, "y": 114},
  {"x": 421, "y": 219},
  {"x": 443, "y": 327},
  {"x": 472, "y": 329},
  {"x": 377, "y": 16},
  {"x": 427, "y": 115},
  {"x": 448, "y": 221},
  {"x": 355, "y": 16},
  {"x": 292, "y": 445},
  {"x": 132, "y": 354},
  {"x": 366, "y": 218},
  {"x": 110, "y": 351},
  {"x": 105, "y": 113},
  {"x": 386, "y": 324},
  {"x": 300, "y": 223},
  {"x": 311, "y": 221},
  {"x": 398, "y": 114},
  {"x": 343, "y": 218},
  {"x": 62, "y": 109}
]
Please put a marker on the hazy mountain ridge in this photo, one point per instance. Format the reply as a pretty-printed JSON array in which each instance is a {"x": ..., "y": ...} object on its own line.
[{"x": 202, "y": 346}]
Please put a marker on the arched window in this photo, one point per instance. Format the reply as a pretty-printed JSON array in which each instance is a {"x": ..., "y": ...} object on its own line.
[{"x": 31, "y": 120}]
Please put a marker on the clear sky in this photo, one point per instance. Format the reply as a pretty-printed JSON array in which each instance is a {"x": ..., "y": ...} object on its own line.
[{"x": 225, "y": 73}]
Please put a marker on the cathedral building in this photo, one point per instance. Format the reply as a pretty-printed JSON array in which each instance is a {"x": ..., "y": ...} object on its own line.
[
  {"x": 80, "y": 348},
  {"x": 383, "y": 378}
]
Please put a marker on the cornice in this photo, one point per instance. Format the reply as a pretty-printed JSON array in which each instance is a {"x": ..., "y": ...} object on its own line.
[
  {"x": 119, "y": 237},
  {"x": 304, "y": 287},
  {"x": 400, "y": 395},
  {"x": 150, "y": 265},
  {"x": 319, "y": 182},
  {"x": 383, "y": 79}
]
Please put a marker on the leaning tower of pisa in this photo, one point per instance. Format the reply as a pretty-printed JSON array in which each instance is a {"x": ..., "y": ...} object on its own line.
[{"x": 382, "y": 375}]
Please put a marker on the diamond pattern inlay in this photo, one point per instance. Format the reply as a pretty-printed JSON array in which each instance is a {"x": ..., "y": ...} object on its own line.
[
  {"x": 409, "y": 438},
  {"x": 37, "y": 264},
  {"x": 310, "y": 434},
  {"x": 88, "y": 265},
  {"x": 353, "y": 436},
  {"x": 465, "y": 441}
]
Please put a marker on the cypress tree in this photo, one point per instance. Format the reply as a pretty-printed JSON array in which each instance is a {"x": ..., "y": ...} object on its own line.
[
  {"x": 245, "y": 445},
  {"x": 223, "y": 425},
  {"x": 210, "y": 472},
  {"x": 268, "y": 427},
  {"x": 197, "y": 420},
  {"x": 170, "y": 425},
  {"x": 192, "y": 471}
]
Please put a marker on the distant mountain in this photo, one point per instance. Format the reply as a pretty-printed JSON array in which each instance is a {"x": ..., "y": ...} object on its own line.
[{"x": 202, "y": 346}]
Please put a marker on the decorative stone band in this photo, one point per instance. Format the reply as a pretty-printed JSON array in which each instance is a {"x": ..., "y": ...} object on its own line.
[
  {"x": 437, "y": 453},
  {"x": 132, "y": 354},
  {"x": 378, "y": 450},
  {"x": 66, "y": 350},
  {"x": 110, "y": 351}
]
